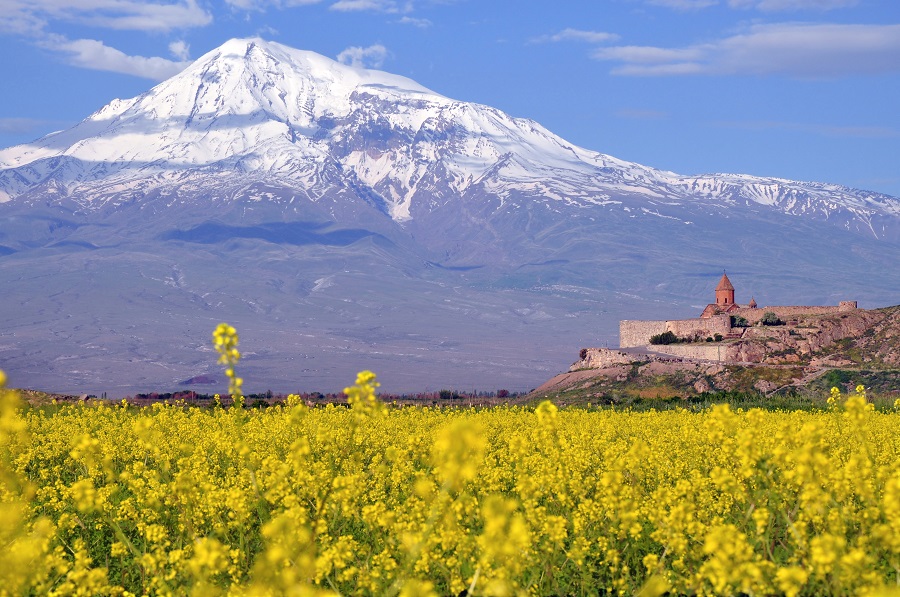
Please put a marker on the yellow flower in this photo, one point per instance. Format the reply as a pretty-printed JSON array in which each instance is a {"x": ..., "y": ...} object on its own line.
[
  {"x": 508, "y": 500},
  {"x": 834, "y": 397},
  {"x": 361, "y": 397},
  {"x": 546, "y": 412},
  {"x": 418, "y": 588},
  {"x": 655, "y": 586},
  {"x": 791, "y": 580},
  {"x": 118, "y": 549},
  {"x": 225, "y": 341}
]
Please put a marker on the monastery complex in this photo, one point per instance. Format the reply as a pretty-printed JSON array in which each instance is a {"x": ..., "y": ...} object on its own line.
[{"x": 717, "y": 319}]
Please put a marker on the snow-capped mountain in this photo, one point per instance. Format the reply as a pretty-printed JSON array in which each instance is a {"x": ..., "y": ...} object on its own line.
[
  {"x": 300, "y": 120},
  {"x": 355, "y": 218}
]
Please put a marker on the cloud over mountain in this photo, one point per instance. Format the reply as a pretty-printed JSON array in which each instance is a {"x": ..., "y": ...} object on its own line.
[{"x": 793, "y": 49}]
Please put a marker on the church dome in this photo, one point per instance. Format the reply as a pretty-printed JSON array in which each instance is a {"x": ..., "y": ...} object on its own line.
[{"x": 724, "y": 283}]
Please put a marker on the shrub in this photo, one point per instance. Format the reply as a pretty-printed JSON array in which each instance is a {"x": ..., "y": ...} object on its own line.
[
  {"x": 739, "y": 322},
  {"x": 837, "y": 378},
  {"x": 664, "y": 338},
  {"x": 769, "y": 318}
]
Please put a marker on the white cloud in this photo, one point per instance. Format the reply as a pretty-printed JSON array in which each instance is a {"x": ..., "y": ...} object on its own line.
[
  {"x": 648, "y": 54},
  {"x": 763, "y": 5},
  {"x": 793, "y": 49},
  {"x": 32, "y": 16},
  {"x": 262, "y": 5},
  {"x": 569, "y": 34},
  {"x": 180, "y": 50},
  {"x": 420, "y": 23},
  {"x": 249, "y": 4},
  {"x": 21, "y": 22},
  {"x": 778, "y": 5},
  {"x": 95, "y": 55},
  {"x": 370, "y": 57},
  {"x": 684, "y": 4},
  {"x": 389, "y": 6},
  {"x": 140, "y": 16}
]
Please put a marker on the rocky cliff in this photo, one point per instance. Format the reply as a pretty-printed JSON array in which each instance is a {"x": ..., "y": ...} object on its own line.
[{"x": 868, "y": 338}]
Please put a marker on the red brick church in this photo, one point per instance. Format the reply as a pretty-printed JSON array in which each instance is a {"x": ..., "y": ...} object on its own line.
[{"x": 725, "y": 300}]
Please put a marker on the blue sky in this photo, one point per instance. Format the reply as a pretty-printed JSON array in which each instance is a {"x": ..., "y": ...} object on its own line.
[{"x": 800, "y": 89}]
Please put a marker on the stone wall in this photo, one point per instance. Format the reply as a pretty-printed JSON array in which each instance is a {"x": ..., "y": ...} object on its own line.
[
  {"x": 633, "y": 333},
  {"x": 702, "y": 328},
  {"x": 792, "y": 312},
  {"x": 708, "y": 352},
  {"x": 637, "y": 333}
]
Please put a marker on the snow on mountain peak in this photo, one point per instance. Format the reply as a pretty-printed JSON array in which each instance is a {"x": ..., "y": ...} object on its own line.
[
  {"x": 256, "y": 108},
  {"x": 232, "y": 99},
  {"x": 291, "y": 85}
]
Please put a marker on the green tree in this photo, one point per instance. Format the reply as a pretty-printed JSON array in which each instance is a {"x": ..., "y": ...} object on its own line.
[
  {"x": 769, "y": 318},
  {"x": 665, "y": 338}
]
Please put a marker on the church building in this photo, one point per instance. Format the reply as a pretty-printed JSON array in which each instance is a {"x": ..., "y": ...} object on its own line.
[
  {"x": 725, "y": 300},
  {"x": 724, "y": 320}
]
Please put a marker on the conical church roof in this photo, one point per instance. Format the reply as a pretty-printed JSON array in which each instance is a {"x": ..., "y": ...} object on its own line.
[{"x": 724, "y": 283}]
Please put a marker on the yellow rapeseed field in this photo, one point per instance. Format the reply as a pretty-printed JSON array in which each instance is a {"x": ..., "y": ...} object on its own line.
[{"x": 378, "y": 500}]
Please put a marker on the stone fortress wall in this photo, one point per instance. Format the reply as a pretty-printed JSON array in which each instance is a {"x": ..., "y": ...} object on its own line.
[
  {"x": 700, "y": 328},
  {"x": 637, "y": 333},
  {"x": 786, "y": 313},
  {"x": 605, "y": 358},
  {"x": 707, "y": 352},
  {"x": 634, "y": 333}
]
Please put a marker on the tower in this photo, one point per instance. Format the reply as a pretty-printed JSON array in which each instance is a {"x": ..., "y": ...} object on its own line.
[{"x": 724, "y": 292}]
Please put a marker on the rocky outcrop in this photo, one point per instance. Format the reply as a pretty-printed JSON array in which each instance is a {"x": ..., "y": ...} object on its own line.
[
  {"x": 822, "y": 338},
  {"x": 600, "y": 358},
  {"x": 762, "y": 358}
]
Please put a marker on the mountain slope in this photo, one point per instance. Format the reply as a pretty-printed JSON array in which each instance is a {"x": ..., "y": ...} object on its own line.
[{"x": 343, "y": 213}]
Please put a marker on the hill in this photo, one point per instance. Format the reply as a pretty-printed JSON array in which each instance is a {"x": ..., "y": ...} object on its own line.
[{"x": 810, "y": 353}]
